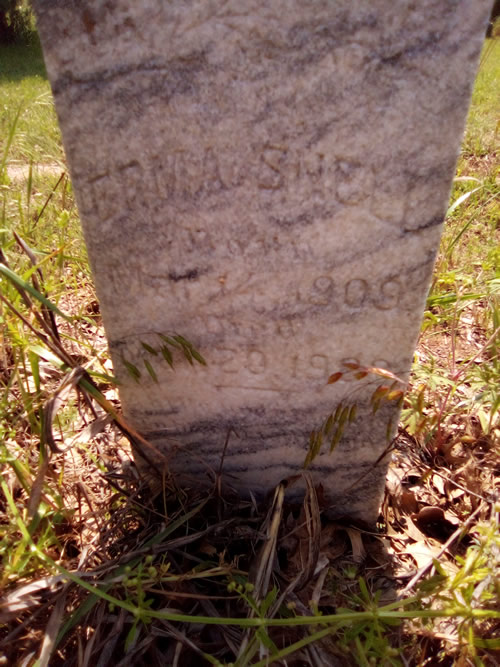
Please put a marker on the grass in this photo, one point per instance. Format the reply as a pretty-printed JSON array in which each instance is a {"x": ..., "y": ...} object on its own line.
[
  {"x": 481, "y": 138},
  {"x": 26, "y": 96},
  {"x": 460, "y": 342},
  {"x": 96, "y": 567}
]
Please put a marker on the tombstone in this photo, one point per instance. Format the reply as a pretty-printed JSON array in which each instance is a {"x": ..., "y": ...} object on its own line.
[{"x": 268, "y": 180}]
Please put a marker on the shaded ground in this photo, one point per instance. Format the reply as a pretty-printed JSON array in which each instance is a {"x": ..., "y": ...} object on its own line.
[{"x": 217, "y": 557}]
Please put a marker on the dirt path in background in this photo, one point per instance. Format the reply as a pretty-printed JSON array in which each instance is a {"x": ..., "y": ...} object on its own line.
[{"x": 20, "y": 172}]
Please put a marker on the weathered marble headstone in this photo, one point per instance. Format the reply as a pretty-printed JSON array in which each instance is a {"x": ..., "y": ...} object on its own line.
[{"x": 267, "y": 179}]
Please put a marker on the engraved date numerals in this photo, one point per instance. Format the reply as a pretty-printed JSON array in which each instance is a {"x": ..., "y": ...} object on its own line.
[
  {"x": 355, "y": 294},
  {"x": 231, "y": 361}
]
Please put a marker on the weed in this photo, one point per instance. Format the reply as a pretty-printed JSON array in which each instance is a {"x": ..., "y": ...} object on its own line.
[{"x": 96, "y": 564}]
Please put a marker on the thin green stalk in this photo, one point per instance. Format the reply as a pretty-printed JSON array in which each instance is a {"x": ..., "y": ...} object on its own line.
[
  {"x": 296, "y": 646},
  {"x": 10, "y": 138},
  {"x": 339, "y": 619}
]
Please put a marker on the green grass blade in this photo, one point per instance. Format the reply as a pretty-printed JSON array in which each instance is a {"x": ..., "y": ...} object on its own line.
[
  {"x": 10, "y": 138},
  {"x": 461, "y": 200},
  {"x": 23, "y": 284}
]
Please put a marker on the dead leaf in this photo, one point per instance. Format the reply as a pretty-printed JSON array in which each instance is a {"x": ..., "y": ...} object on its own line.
[
  {"x": 422, "y": 553},
  {"x": 327, "y": 534},
  {"x": 52, "y": 406},
  {"x": 302, "y": 562},
  {"x": 337, "y": 547},
  {"x": 379, "y": 551},
  {"x": 413, "y": 531},
  {"x": 455, "y": 493},
  {"x": 51, "y": 631},
  {"x": 358, "y": 550},
  {"x": 91, "y": 430},
  {"x": 408, "y": 502},
  {"x": 433, "y": 523},
  {"x": 207, "y": 548},
  {"x": 438, "y": 483},
  {"x": 263, "y": 565},
  {"x": 37, "y": 488},
  {"x": 24, "y": 597}
]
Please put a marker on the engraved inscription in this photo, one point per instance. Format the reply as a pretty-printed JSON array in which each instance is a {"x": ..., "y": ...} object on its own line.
[
  {"x": 96, "y": 23},
  {"x": 318, "y": 366},
  {"x": 182, "y": 175},
  {"x": 256, "y": 362},
  {"x": 230, "y": 362},
  {"x": 389, "y": 295},
  {"x": 322, "y": 291},
  {"x": 315, "y": 367},
  {"x": 239, "y": 326},
  {"x": 354, "y": 182},
  {"x": 227, "y": 359},
  {"x": 356, "y": 292}
]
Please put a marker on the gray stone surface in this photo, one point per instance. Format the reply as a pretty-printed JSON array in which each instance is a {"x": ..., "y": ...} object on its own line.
[{"x": 268, "y": 179}]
